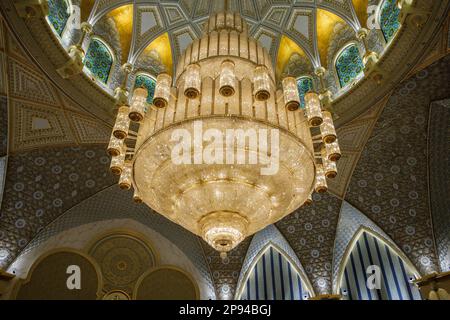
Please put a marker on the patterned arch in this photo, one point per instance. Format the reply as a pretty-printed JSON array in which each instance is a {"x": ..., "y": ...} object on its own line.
[
  {"x": 304, "y": 84},
  {"x": 396, "y": 274},
  {"x": 273, "y": 277},
  {"x": 99, "y": 60},
  {"x": 148, "y": 82},
  {"x": 348, "y": 64},
  {"x": 59, "y": 14},
  {"x": 388, "y": 18}
]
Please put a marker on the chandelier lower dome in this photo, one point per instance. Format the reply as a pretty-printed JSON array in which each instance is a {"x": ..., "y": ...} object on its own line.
[
  {"x": 227, "y": 151},
  {"x": 224, "y": 203}
]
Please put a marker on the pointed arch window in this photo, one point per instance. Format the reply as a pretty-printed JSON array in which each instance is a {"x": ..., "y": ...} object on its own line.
[
  {"x": 99, "y": 60},
  {"x": 304, "y": 84},
  {"x": 273, "y": 277},
  {"x": 59, "y": 14},
  {"x": 395, "y": 273},
  {"x": 349, "y": 64},
  {"x": 389, "y": 21},
  {"x": 147, "y": 82}
]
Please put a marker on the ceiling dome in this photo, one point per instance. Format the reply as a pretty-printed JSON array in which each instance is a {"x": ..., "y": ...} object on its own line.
[{"x": 300, "y": 36}]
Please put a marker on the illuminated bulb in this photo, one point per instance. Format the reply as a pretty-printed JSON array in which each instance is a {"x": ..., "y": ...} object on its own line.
[
  {"x": 227, "y": 79},
  {"x": 291, "y": 96},
  {"x": 138, "y": 104},
  {"x": 261, "y": 82},
  {"x": 162, "y": 90},
  {"x": 313, "y": 109},
  {"x": 327, "y": 128},
  {"x": 321, "y": 182},
  {"x": 329, "y": 166},
  {"x": 122, "y": 123},
  {"x": 125, "y": 177},
  {"x": 192, "y": 81},
  {"x": 115, "y": 146},
  {"x": 333, "y": 151}
]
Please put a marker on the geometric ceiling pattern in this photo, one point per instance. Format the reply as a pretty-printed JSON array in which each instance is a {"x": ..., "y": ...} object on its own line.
[
  {"x": 43, "y": 184},
  {"x": 439, "y": 164},
  {"x": 311, "y": 232},
  {"x": 225, "y": 273},
  {"x": 42, "y": 115},
  {"x": 390, "y": 182},
  {"x": 268, "y": 21}
]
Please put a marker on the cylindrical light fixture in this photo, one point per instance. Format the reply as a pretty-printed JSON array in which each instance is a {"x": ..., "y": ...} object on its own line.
[
  {"x": 117, "y": 162},
  {"x": 137, "y": 197},
  {"x": 313, "y": 109},
  {"x": 333, "y": 151},
  {"x": 261, "y": 83},
  {"x": 162, "y": 90},
  {"x": 138, "y": 104},
  {"x": 308, "y": 201},
  {"x": 125, "y": 177},
  {"x": 327, "y": 128},
  {"x": 329, "y": 166},
  {"x": 321, "y": 182},
  {"x": 291, "y": 96},
  {"x": 115, "y": 146},
  {"x": 192, "y": 81},
  {"x": 122, "y": 123},
  {"x": 227, "y": 79}
]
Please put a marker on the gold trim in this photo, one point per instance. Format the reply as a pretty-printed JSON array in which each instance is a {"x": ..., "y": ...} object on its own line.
[
  {"x": 326, "y": 297},
  {"x": 432, "y": 277}
]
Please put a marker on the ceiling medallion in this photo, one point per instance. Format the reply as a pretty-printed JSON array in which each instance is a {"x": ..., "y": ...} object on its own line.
[{"x": 222, "y": 151}]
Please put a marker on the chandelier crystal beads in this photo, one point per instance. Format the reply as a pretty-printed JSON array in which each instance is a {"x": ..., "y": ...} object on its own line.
[{"x": 224, "y": 83}]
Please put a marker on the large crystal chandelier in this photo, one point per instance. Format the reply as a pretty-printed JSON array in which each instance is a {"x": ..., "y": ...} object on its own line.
[{"x": 225, "y": 91}]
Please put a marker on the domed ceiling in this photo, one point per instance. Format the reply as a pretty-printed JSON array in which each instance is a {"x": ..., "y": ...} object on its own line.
[
  {"x": 285, "y": 28},
  {"x": 55, "y": 166}
]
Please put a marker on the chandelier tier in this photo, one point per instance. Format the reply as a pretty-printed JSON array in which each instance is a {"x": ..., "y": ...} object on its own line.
[{"x": 225, "y": 82}]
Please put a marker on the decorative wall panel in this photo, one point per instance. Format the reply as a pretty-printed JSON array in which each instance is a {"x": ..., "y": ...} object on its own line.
[
  {"x": 396, "y": 276},
  {"x": 273, "y": 277}
]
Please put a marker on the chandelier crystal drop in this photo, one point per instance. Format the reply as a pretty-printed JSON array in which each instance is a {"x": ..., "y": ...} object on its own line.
[
  {"x": 291, "y": 96},
  {"x": 193, "y": 83},
  {"x": 261, "y": 83},
  {"x": 313, "y": 108},
  {"x": 224, "y": 97},
  {"x": 138, "y": 104},
  {"x": 162, "y": 91}
]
